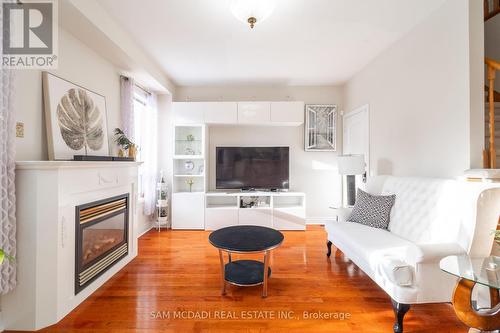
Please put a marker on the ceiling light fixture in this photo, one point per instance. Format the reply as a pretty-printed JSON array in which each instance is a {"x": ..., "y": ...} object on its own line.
[{"x": 252, "y": 11}]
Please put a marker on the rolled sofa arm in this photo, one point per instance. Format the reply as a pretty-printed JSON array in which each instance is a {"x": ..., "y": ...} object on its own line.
[{"x": 432, "y": 253}]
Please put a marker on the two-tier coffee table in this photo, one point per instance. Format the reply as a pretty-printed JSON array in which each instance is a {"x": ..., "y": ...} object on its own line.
[
  {"x": 245, "y": 239},
  {"x": 484, "y": 271}
]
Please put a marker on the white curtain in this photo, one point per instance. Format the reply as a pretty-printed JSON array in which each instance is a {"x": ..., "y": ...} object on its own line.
[
  {"x": 7, "y": 175},
  {"x": 127, "y": 87},
  {"x": 149, "y": 153}
]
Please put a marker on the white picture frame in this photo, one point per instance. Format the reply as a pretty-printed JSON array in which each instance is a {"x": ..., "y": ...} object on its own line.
[
  {"x": 320, "y": 130},
  {"x": 67, "y": 134}
]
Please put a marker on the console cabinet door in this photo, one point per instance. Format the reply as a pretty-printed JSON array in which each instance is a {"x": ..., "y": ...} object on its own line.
[
  {"x": 221, "y": 112},
  {"x": 216, "y": 218},
  {"x": 188, "y": 113},
  {"x": 256, "y": 216},
  {"x": 287, "y": 113},
  {"x": 254, "y": 113},
  {"x": 188, "y": 210}
]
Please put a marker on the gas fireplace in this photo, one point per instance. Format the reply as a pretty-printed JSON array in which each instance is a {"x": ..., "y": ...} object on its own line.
[{"x": 101, "y": 238}]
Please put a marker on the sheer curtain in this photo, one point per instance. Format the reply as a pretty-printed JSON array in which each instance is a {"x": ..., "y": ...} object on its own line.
[
  {"x": 7, "y": 176},
  {"x": 149, "y": 153},
  {"x": 127, "y": 86}
]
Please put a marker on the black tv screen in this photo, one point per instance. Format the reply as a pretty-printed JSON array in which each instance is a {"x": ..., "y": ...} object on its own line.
[{"x": 252, "y": 167}]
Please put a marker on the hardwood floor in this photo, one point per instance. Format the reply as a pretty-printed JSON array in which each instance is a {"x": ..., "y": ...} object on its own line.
[{"x": 180, "y": 271}]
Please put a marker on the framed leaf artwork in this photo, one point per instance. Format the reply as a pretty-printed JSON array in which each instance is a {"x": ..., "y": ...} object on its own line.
[{"x": 76, "y": 119}]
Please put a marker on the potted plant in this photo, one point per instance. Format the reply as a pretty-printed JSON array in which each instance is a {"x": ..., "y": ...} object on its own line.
[{"x": 125, "y": 144}]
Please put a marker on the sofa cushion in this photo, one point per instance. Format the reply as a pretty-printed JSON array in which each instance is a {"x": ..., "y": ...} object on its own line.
[
  {"x": 370, "y": 245},
  {"x": 372, "y": 210}
]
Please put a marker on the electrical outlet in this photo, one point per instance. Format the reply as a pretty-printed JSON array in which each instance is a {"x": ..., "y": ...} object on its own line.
[{"x": 20, "y": 130}]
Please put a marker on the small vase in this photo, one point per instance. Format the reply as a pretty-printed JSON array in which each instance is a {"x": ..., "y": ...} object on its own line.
[
  {"x": 132, "y": 152},
  {"x": 121, "y": 153}
]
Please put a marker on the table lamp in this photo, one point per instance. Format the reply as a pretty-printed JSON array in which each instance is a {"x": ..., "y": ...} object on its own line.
[{"x": 350, "y": 166}]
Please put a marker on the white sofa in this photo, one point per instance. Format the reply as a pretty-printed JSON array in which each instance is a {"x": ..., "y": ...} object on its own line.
[{"x": 431, "y": 219}]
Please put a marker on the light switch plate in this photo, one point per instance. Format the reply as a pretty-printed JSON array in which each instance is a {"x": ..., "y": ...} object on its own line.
[{"x": 19, "y": 130}]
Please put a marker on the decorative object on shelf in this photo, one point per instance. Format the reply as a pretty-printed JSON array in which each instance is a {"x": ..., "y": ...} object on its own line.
[
  {"x": 189, "y": 165},
  {"x": 189, "y": 151},
  {"x": 320, "y": 127},
  {"x": 162, "y": 203},
  {"x": 123, "y": 159},
  {"x": 252, "y": 11},
  {"x": 249, "y": 202},
  {"x": 75, "y": 118},
  {"x": 92, "y": 158},
  {"x": 190, "y": 137},
  {"x": 201, "y": 169},
  {"x": 124, "y": 143},
  {"x": 121, "y": 153},
  {"x": 350, "y": 166},
  {"x": 132, "y": 151},
  {"x": 190, "y": 183}
]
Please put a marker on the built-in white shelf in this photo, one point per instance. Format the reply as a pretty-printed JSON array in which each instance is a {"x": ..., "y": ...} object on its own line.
[{"x": 189, "y": 176}]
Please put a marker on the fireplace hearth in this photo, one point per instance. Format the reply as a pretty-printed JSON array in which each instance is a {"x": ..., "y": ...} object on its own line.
[{"x": 101, "y": 238}]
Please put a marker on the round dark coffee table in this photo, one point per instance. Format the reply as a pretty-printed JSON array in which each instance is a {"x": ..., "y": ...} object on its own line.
[{"x": 245, "y": 239}]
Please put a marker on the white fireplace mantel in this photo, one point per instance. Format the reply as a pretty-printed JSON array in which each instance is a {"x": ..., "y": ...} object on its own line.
[{"x": 47, "y": 194}]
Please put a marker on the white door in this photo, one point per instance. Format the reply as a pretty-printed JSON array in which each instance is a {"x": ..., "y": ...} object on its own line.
[{"x": 356, "y": 136}]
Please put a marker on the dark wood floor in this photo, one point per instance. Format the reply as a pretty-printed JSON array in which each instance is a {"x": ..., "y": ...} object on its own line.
[{"x": 179, "y": 271}]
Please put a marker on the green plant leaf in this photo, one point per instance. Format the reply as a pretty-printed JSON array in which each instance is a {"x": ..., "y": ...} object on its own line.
[{"x": 2, "y": 256}]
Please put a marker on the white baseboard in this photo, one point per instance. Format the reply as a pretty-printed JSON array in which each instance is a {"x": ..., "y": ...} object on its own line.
[{"x": 146, "y": 230}]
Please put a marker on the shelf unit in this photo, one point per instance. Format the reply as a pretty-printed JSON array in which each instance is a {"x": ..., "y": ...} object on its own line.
[
  {"x": 279, "y": 210},
  {"x": 189, "y": 166}
]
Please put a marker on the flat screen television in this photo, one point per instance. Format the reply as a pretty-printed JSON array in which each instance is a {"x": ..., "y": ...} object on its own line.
[{"x": 252, "y": 168}]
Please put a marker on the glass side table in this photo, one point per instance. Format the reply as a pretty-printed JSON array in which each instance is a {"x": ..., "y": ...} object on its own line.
[{"x": 472, "y": 271}]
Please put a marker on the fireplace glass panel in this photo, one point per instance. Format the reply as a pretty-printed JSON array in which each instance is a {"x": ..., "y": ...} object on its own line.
[{"x": 99, "y": 238}]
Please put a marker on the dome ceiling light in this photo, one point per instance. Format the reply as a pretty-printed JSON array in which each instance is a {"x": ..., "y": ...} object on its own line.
[{"x": 252, "y": 11}]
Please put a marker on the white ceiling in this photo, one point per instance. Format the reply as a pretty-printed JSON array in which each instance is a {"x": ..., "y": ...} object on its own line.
[{"x": 304, "y": 42}]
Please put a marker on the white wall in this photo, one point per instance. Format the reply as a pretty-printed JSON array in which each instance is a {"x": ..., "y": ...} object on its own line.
[
  {"x": 314, "y": 173},
  {"x": 78, "y": 64},
  {"x": 419, "y": 95}
]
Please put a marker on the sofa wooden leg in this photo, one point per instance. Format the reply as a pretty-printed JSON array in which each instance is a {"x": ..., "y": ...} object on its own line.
[
  {"x": 399, "y": 311},
  {"x": 329, "y": 246}
]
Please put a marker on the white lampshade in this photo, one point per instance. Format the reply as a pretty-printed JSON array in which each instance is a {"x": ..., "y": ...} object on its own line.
[
  {"x": 351, "y": 164},
  {"x": 258, "y": 9}
]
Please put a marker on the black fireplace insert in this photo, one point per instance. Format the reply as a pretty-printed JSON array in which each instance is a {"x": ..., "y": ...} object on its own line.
[{"x": 101, "y": 238}]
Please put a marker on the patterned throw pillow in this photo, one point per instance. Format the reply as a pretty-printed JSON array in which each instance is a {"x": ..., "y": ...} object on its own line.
[{"x": 372, "y": 210}]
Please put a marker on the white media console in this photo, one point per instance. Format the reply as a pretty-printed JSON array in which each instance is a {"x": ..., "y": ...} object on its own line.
[
  {"x": 279, "y": 210},
  {"x": 195, "y": 207}
]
